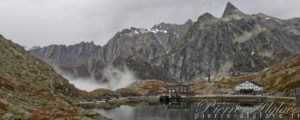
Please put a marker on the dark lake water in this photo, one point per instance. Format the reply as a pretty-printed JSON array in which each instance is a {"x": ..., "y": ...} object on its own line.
[{"x": 187, "y": 111}]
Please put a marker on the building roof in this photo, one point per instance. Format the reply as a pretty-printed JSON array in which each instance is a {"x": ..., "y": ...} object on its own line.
[
  {"x": 174, "y": 83},
  {"x": 255, "y": 83},
  {"x": 297, "y": 91}
]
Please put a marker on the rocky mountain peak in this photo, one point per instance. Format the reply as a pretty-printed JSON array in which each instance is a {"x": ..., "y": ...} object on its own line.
[
  {"x": 63, "y": 54},
  {"x": 144, "y": 43},
  {"x": 205, "y": 17},
  {"x": 239, "y": 46},
  {"x": 189, "y": 22},
  {"x": 86, "y": 43},
  {"x": 231, "y": 10}
]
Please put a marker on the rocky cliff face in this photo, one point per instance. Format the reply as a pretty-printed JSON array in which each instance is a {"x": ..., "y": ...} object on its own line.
[
  {"x": 30, "y": 89},
  {"x": 65, "y": 55},
  {"x": 145, "y": 44},
  {"x": 232, "y": 45},
  {"x": 143, "y": 70},
  {"x": 287, "y": 31}
]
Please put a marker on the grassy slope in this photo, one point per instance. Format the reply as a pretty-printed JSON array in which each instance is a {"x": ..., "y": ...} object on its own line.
[
  {"x": 30, "y": 89},
  {"x": 144, "y": 87}
]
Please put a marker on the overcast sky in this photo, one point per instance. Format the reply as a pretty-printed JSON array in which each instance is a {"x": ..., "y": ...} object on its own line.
[{"x": 44, "y": 22}]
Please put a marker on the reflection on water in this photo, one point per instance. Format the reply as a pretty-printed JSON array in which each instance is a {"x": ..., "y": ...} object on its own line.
[
  {"x": 161, "y": 112},
  {"x": 231, "y": 111},
  {"x": 183, "y": 111}
]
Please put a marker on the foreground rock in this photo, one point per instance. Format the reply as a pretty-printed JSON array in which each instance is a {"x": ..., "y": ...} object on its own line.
[{"x": 30, "y": 89}]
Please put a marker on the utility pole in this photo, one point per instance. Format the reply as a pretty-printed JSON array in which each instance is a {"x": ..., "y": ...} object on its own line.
[{"x": 208, "y": 75}]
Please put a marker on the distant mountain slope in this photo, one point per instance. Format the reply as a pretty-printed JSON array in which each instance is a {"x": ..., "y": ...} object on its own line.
[
  {"x": 30, "y": 89},
  {"x": 278, "y": 80},
  {"x": 235, "y": 44},
  {"x": 288, "y": 31},
  {"x": 65, "y": 55},
  {"x": 145, "y": 44}
]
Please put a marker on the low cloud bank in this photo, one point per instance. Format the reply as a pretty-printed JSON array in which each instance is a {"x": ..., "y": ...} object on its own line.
[
  {"x": 114, "y": 79},
  {"x": 118, "y": 78}
]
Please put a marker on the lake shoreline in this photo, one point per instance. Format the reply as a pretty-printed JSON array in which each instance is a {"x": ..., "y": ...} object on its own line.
[{"x": 110, "y": 104}]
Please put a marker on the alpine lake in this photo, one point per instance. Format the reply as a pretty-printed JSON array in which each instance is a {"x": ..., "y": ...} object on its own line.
[{"x": 203, "y": 110}]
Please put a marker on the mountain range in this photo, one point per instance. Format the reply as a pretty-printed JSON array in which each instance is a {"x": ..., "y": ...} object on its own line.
[{"x": 233, "y": 45}]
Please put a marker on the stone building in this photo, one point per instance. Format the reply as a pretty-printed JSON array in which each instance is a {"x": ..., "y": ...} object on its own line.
[{"x": 178, "y": 89}]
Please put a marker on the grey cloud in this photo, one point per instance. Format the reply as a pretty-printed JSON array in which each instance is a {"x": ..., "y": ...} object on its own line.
[{"x": 44, "y": 22}]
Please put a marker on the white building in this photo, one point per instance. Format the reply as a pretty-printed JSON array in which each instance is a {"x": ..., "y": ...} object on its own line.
[{"x": 249, "y": 87}]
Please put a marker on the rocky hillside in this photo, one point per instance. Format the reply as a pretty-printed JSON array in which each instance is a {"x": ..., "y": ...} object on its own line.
[
  {"x": 278, "y": 80},
  {"x": 30, "y": 89},
  {"x": 65, "y": 55},
  {"x": 235, "y": 44}
]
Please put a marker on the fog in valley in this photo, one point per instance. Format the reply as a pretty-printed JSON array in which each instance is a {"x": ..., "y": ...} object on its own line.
[{"x": 114, "y": 79}]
